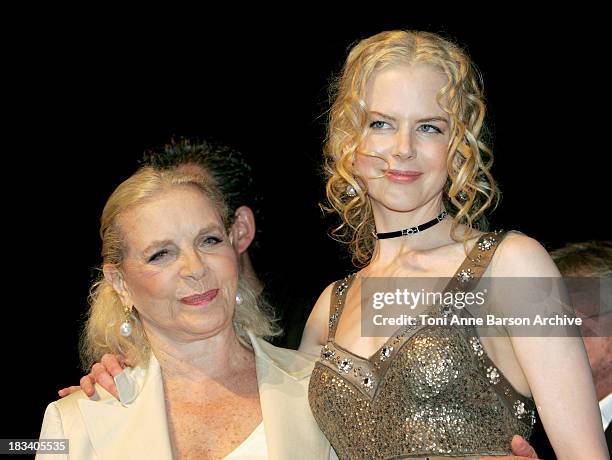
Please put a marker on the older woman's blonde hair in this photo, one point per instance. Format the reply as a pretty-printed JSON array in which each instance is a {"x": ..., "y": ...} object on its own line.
[
  {"x": 470, "y": 189},
  {"x": 101, "y": 332}
]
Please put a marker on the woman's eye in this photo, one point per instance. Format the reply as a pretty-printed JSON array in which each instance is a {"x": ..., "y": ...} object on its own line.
[
  {"x": 429, "y": 129},
  {"x": 158, "y": 255},
  {"x": 210, "y": 241},
  {"x": 378, "y": 124}
]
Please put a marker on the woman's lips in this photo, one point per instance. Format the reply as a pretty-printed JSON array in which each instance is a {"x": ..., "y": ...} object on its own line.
[
  {"x": 405, "y": 177},
  {"x": 200, "y": 299}
]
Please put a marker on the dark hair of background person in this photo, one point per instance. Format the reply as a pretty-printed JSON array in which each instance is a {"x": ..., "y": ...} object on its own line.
[
  {"x": 588, "y": 258},
  {"x": 228, "y": 168}
]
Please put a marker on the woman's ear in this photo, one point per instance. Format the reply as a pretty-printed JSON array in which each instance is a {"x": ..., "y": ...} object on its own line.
[
  {"x": 114, "y": 277},
  {"x": 243, "y": 229}
]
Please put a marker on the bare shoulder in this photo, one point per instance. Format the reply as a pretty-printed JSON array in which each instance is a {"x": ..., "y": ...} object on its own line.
[
  {"x": 315, "y": 331},
  {"x": 521, "y": 255}
]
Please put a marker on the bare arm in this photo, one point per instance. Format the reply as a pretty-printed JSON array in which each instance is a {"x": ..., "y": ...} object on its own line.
[
  {"x": 315, "y": 331},
  {"x": 556, "y": 368}
]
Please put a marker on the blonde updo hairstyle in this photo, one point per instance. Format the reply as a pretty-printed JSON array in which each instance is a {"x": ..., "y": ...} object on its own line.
[
  {"x": 101, "y": 331},
  {"x": 470, "y": 189}
]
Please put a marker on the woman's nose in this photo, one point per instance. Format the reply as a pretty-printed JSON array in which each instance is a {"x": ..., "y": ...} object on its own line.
[
  {"x": 193, "y": 265},
  {"x": 403, "y": 146}
]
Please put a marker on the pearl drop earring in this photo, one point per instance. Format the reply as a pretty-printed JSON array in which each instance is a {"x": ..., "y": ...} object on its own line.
[{"x": 126, "y": 326}]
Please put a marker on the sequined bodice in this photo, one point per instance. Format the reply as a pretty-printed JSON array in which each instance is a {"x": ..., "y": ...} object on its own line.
[{"x": 429, "y": 390}]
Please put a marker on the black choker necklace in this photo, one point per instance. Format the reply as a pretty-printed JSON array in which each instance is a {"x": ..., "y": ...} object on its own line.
[{"x": 412, "y": 230}]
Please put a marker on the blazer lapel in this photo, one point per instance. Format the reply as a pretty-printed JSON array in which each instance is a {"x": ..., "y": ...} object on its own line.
[
  {"x": 291, "y": 430},
  {"x": 133, "y": 430}
]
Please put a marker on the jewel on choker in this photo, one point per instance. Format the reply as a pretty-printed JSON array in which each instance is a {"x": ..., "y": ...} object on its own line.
[{"x": 412, "y": 230}]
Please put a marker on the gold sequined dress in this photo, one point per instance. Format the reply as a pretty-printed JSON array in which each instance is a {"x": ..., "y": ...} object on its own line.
[{"x": 428, "y": 392}]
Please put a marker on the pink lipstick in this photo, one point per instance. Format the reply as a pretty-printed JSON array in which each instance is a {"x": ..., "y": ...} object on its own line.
[
  {"x": 404, "y": 177},
  {"x": 200, "y": 299}
]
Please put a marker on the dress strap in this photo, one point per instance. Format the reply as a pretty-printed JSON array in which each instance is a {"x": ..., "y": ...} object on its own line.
[
  {"x": 336, "y": 304},
  {"x": 477, "y": 261},
  {"x": 467, "y": 277}
]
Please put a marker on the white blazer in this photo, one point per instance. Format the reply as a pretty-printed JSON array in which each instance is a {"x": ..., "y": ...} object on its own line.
[{"x": 104, "y": 428}]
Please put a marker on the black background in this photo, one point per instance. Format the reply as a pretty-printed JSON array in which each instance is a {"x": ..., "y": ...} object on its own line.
[{"x": 89, "y": 96}]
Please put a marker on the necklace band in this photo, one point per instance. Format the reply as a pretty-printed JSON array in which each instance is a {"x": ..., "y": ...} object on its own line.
[{"x": 412, "y": 230}]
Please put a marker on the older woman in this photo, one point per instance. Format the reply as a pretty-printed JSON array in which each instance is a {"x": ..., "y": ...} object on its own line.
[{"x": 171, "y": 301}]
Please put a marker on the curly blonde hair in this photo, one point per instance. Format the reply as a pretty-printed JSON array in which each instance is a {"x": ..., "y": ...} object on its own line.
[
  {"x": 470, "y": 189},
  {"x": 101, "y": 331}
]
